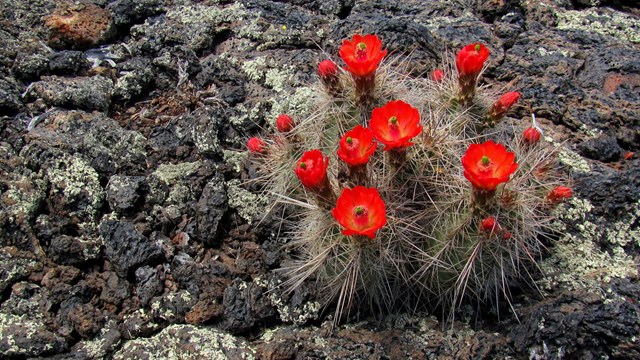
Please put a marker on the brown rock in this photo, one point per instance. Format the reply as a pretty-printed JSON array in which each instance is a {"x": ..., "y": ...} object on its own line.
[
  {"x": 78, "y": 26},
  {"x": 86, "y": 320}
]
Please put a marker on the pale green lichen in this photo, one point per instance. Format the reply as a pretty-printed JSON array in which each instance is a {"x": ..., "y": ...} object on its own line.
[
  {"x": 26, "y": 328},
  {"x": 235, "y": 159},
  {"x": 172, "y": 343},
  {"x": 541, "y": 51},
  {"x": 573, "y": 160},
  {"x": 249, "y": 206},
  {"x": 247, "y": 115},
  {"x": 24, "y": 201},
  {"x": 197, "y": 21},
  {"x": 607, "y": 22},
  {"x": 273, "y": 35},
  {"x": 300, "y": 315},
  {"x": 179, "y": 194},
  {"x": 172, "y": 172},
  {"x": 98, "y": 348},
  {"x": 576, "y": 261},
  {"x": 299, "y": 104},
  {"x": 622, "y": 232},
  {"x": 590, "y": 132},
  {"x": 274, "y": 76},
  {"x": 278, "y": 78},
  {"x": 73, "y": 177},
  {"x": 255, "y": 69},
  {"x": 205, "y": 138}
]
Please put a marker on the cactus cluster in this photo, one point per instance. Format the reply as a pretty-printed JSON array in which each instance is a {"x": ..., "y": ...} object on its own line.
[{"x": 401, "y": 191}]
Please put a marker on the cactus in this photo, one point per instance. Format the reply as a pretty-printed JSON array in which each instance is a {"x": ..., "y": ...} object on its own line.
[{"x": 452, "y": 207}]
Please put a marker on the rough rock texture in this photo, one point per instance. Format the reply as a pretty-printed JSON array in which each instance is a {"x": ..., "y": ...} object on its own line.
[
  {"x": 186, "y": 341},
  {"x": 128, "y": 230},
  {"x": 126, "y": 248},
  {"x": 78, "y": 25}
]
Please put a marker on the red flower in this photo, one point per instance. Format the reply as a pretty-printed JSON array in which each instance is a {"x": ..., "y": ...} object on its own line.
[
  {"x": 284, "y": 123},
  {"x": 437, "y": 75},
  {"x": 488, "y": 224},
  {"x": 488, "y": 165},
  {"x": 356, "y": 146},
  {"x": 395, "y": 124},
  {"x": 531, "y": 135},
  {"x": 312, "y": 169},
  {"x": 559, "y": 193},
  {"x": 256, "y": 145},
  {"x": 361, "y": 211},
  {"x": 362, "y": 54},
  {"x": 327, "y": 68},
  {"x": 470, "y": 60}
]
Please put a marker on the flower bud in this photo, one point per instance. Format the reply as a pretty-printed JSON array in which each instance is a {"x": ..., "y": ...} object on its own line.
[
  {"x": 437, "y": 75},
  {"x": 500, "y": 107},
  {"x": 559, "y": 193},
  {"x": 327, "y": 68},
  {"x": 531, "y": 135},
  {"x": 284, "y": 123},
  {"x": 256, "y": 145},
  {"x": 488, "y": 224}
]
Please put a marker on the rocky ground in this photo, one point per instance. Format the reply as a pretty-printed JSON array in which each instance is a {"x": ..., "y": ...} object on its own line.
[{"x": 126, "y": 230}]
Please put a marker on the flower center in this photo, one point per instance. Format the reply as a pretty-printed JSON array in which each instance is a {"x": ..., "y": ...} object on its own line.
[
  {"x": 352, "y": 143},
  {"x": 361, "y": 51},
  {"x": 477, "y": 47},
  {"x": 485, "y": 164},
  {"x": 393, "y": 122},
  {"x": 359, "y": 211},
  {"x": 306, "y": 165}
]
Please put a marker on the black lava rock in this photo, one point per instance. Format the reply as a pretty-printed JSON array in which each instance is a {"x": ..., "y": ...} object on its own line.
[
  {"x": 604, "y": 149},
  {"x": 209, "y": 211},
  {"x": 123, "y": 193},
  {"x": 68, "y": 62},
  {"x": 245, "y": 306},
  {"x": 126, "y": 248},
  {"x": 149, "y": 283}
]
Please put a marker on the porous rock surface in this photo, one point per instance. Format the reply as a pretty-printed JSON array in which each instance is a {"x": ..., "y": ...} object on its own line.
[{"x": 126, "y": 230}]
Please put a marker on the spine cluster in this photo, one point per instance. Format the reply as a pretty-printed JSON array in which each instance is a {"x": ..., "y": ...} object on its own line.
[{"x": 402, "y": 191}]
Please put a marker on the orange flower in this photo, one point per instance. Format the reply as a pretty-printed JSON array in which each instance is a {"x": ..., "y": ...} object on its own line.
[
  {"x": 395, "y": 124},
  {"x": 284, "y": 123},
  {"x": 470, "y": 60},
  {"x": 488, "y": 165},
  {"x": 362, "y": 54},
  {"x": 256, "y": 145},
  {"x": 361, "y": 211},
  {"x": 357, "y": 146},
  {"x": 312, "y": 169}
]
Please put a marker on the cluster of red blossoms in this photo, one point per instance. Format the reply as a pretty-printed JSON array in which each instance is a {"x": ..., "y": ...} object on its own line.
[{"x": 361, "y": 210}]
